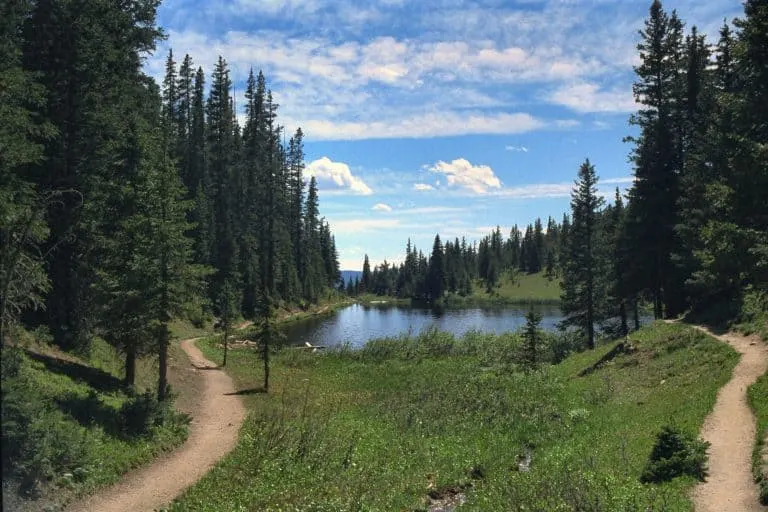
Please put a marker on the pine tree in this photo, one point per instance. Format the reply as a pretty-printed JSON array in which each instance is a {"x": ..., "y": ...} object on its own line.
[
  {"x": 23, "y": 280},
  {"x": 170, "y": 97},
  {"x": 168, "y": 260},
  {"x": 436, "y": 272},
  {"x": 531, "y": 353},
  {"x": 314, "y": 273},
  {"x": 91, "y": 80},
  {"x": 221, "y": 150},
  {"x": 228, "y": 307},
  {"x": 365, "y": 282},
  {"x": 620, "y": 292},
  {"x": 750, "y": 169},
  {"x": 667, "y": 91},
  {"x": 185, "y": 91},
  {"x": 582, "y": 284}
]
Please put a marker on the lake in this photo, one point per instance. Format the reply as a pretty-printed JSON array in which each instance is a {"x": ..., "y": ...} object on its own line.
[{"x": 358, "y": 323}]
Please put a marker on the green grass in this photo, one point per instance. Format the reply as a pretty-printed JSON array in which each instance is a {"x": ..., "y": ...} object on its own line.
[
  {"x": 369, "y": 298},
  {"x": 63, "y": 411},
  {"x": 521, "y": 288},
  {"x": 324, "y": 307},
  {"x": 758, "y": 400},
  {"x": 753, "y": 314},
  {"x": 379, "y": 429}
]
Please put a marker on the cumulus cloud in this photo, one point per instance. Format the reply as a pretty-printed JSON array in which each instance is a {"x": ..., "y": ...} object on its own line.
[
  {"x": 587, "y": 97},
  {"x": 423, "y": 187},
  {"x": 381, "y": 207},
  {"x": 327, "y": 171},
  {"x": 461, "y": 173}
]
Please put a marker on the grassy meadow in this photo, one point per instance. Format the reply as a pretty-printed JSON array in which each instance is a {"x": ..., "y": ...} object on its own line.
[
  {"x": 405, "y": 423},
  {"x": 518, "y": 288}
]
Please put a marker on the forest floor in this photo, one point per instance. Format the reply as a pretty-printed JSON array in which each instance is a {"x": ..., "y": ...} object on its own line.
[
  {"x": 731, "y": 431},
  {"x": 209, "y": 396}
]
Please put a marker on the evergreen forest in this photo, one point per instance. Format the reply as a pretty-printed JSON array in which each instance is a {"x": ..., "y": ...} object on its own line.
[{"x": 162, "y": 244}]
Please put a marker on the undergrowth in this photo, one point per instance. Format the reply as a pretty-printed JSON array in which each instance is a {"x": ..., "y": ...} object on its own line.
[{"x": 70, "y": 426}]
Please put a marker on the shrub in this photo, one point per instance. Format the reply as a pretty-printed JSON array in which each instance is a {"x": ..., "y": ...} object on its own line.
[
  {"x": 36, "y": 441},
  {"x": 140, "y": 414},
  {"x": 675, "y": 454}
]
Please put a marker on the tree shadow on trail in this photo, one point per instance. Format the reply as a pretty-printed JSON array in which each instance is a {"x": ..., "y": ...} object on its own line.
[
  {"x": 251, "y": 391},
  {"x": 95, "y": 378},
  {"x": 716, "y": 314}
]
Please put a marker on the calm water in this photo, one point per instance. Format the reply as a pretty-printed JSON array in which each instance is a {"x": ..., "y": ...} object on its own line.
[{"x": 357, "y": 324}]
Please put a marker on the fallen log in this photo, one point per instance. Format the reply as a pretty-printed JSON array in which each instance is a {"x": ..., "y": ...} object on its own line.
[{"x": 622, "y": 348}]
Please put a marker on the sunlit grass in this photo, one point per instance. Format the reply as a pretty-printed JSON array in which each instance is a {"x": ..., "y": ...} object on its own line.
[{"x": 364, "y": 430}]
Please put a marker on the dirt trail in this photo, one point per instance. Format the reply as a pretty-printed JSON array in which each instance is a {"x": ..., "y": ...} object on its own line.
[
  {"x": 730, "y": 428},
  {"x": 216, "y": 419}
]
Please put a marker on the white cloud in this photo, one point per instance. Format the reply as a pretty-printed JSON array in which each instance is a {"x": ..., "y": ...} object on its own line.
[
  {"x": 430, "y": 210},
  {"x": 354, "y": 226},
  {"x": 567, "y": 123},
  {"x": 589, "y": 97},
  {"x": 461, "y": 173},
  {"x": 381, "y": 207},
  {"x": 624, "y": 179},
  {"x": 544, "y": 190},
  {"x": 327, "y": 171},
  {"x": 433, "y": 124},
  {"x": 423, "y": 187},
  {"x": 538, "y": 190},
  {"x": 518, "y": 149}
]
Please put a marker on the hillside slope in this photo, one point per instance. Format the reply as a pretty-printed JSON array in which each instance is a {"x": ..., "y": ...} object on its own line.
[{"x": 69, "y": 425}]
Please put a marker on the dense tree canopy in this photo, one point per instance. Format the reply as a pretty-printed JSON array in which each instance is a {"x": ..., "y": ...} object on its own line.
[{"x": 126, "y": 203}]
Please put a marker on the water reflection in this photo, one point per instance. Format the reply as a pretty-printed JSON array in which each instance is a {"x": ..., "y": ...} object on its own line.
[{"x": 357, "y": 324}]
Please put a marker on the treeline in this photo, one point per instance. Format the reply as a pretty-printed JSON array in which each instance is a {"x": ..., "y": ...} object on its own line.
[
  {"x": 257, "y": 224},
  {"x": 456, "y": 266},
  {"x": 692, "y": 230},
  {"x": 125, "y": 203},
  {"x": 695, "y": 229}
]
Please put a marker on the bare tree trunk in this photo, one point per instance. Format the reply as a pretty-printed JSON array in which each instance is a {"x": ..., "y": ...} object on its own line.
[
  {"x": 623, "y": 314},
  {"x": 130, "y": 366},
  {"x": 162, "y": 383},
  {"x": 637, "y": 315},
  {"x": 265, "y": 341},
  {"x": 226, "y": 338}
]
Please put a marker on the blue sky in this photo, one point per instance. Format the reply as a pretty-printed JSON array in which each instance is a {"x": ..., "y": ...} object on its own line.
[{"x": 437, "y": 116}]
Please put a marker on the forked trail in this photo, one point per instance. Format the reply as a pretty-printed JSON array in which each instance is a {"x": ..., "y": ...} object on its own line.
[
  {"x": 216, "y": 418},
  {"x": 730, "y": 428}
]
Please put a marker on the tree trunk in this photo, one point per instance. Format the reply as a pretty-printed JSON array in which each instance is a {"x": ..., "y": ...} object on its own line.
[
  {"x": 623, "y": 314},
  {"x": 162, "y": 383},
  {"x": 266, "y": 364},
  {"x": 226, "y": 338},
  {"x": 130, "y": 366},
  {"x": 636, "y": 314}
]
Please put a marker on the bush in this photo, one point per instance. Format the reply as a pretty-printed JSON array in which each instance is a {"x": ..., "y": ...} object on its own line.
[
  {"x": 37, "y": 442},
  {"x": 675, "y": 454},
  {"x": 140, "y": 414}
]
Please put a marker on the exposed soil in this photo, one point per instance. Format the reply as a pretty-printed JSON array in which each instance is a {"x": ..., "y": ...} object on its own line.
[
  {"x": 731, "y": 430},
  {"x": 208, "y": 395}
]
